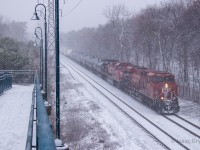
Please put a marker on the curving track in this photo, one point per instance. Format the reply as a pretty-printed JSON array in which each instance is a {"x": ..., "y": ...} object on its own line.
[{"x": 166, "y": 132}]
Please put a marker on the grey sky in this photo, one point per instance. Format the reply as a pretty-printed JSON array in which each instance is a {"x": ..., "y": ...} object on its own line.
[{"x": 89, "y": 13}]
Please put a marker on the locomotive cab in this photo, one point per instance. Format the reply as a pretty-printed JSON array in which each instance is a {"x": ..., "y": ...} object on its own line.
[
  {"x": 163, "y": 91},
  {"x": 118, "y": 73},
  {"x": 126, "y": 79}
]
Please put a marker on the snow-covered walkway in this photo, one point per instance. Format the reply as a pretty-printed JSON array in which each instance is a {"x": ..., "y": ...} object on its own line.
[{"x": 15, "y": 105}]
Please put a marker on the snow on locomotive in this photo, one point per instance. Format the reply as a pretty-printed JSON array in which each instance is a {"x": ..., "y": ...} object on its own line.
[{"x": 156, "y": 89}]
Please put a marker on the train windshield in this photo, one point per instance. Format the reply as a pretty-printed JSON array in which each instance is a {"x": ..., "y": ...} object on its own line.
[
  {"x": 162, "y": 79},
  {"x": 169, "y": 79}
]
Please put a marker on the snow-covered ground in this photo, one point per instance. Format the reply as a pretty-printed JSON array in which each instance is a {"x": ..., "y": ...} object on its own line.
[
  {"x": 80, "y": 96},
  {"x": 90, "y": 121},
  {"x": 15, "y": 105},
  {"x": 190, "y": 111}
]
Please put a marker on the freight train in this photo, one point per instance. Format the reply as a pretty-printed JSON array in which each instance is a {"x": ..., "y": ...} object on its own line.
[{"x": 156, "y": 89}]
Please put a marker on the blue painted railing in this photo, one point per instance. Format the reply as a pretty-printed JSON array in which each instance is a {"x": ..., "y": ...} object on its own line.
[
  {"x": 44, "y": 134},
  {"x": 29, "y": 144},
  {"x": 5, "y": 81}
]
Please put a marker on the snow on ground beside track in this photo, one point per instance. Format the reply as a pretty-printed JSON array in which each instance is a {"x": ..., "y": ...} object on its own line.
[
  {"x": 15, "y": 105},
  {"x": 90, "y": 122},
  {"x": 188, "y": 110}
]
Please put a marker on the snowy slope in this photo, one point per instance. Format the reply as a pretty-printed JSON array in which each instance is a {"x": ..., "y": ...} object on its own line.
[
  {"x": 177, "y": 132},
  {"x": 90, "y": 121},
  {"x": 15, "y": 107}
]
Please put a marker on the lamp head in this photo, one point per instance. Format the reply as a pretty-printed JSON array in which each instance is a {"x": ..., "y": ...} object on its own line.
[{"x": 35, "y": 16}]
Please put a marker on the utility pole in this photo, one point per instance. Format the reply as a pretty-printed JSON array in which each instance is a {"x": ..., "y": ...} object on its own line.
[
  {"x": 59, "y": 142},
  {"x": 57, "y": 46}
]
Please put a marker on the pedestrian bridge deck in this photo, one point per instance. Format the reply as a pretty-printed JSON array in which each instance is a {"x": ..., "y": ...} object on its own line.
[{"x": 15, "y": 106}]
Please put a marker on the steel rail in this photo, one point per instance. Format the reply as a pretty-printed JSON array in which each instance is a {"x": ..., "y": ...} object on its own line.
[
  {"x": 194, "y": 125},
  {"x": 178, "y": 124},
  {"x": 164, "y": 145}
]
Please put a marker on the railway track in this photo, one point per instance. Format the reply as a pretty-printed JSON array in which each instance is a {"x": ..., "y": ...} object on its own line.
[
  {"x": 185, "y": 124},
  {"x": 181, "y": 122},
  {"x": 138, "y": 114},
  {"x": 192, "y": 124}
]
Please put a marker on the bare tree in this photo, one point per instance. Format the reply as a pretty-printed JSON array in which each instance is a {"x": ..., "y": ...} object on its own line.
[{"x": 117, "y": 17}]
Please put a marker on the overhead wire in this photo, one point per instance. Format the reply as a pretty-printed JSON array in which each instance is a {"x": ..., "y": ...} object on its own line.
[
  {"x": 72, "y": 8},
  {"x": 61, "y": 10}
]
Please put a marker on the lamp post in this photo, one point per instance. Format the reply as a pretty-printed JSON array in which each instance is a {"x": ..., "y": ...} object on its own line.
[
  {"x": 45, "y": 42},
  {"x": 57, "y": 47},
  {"x": 41, "y": 55}
]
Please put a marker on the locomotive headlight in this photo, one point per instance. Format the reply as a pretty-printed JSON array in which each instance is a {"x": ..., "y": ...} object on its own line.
[
  {"x": 166, "y": 88},
  {"x": 162, "y": 98}
]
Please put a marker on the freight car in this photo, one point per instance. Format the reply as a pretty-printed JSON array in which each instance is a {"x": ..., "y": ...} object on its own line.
[{"x": 156, "y": 89}]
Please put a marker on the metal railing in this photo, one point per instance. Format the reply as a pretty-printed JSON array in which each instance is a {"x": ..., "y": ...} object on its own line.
[
  {"x": 44, "y": 134},
  {"x": 5, "y": 81},
  {"x": 21, "y": 76},
  {"x": 33, "y": 72},
  {"x": 29, "y": 139}
]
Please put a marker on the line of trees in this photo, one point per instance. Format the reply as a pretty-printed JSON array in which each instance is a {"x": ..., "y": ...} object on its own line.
[
  {"x": 15, "y": 51},
  {"x": 162, "y": 37}
]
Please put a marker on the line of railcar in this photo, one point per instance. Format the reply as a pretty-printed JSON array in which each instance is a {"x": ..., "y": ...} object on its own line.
[{"x": 157, "y": 89}]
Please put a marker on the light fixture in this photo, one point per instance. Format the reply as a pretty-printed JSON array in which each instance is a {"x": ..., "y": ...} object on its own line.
[
  {"x": 35, "y": 16},
  {"x": 166, "y": 85}
]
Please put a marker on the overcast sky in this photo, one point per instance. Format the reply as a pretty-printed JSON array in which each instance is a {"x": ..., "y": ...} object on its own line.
[{"x": 89, "y": 13}]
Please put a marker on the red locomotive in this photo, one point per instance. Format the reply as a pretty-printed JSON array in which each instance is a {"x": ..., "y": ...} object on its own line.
[
  {"x": 116, "y": 72},
  {"x": 161, "y": 92},
  {"x": 156, "y": 89}
]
